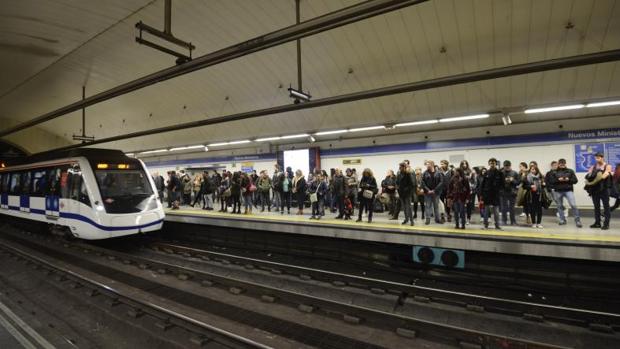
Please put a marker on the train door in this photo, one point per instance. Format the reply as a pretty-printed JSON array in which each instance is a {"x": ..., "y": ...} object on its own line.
[
  {"x": 52, "y": 193},
  {"x": 4, "y": 191},
  {"x": 24, "y": 197},
  {"x": 71, "y": 182}
]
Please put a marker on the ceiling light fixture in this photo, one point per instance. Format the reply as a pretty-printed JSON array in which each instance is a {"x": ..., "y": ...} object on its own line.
[
  {"x": 369, "y": 128},
  {"x": 506, "y": 120},
  {"x": 464, "y": 118},
  {"x": 333, "y": 132},
  {"x": 267, "y": 139},
  {"x": 298, "y": 95},
  {"x": 154, "y": 151},
  {"x": 206, "y": 148},
  {"x": 301, "y": 135},
  {"x": 240, "y": 142},
  {"x": 550, "y": 109},
  {"x": 217, "y": 144},
  {"x": 312, "y": 139},
  {"x": 602, "y": 104},
  {"x": 417, "y": 123}
]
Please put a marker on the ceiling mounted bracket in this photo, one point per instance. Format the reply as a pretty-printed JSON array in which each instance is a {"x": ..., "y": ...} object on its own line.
[{"x": 165, "y": 35}]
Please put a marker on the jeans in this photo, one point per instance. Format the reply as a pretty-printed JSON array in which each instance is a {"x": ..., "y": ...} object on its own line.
[
  {"x": 603, "y": 196},
  {"x": 507, "y": 204},
  {"x": 207, "y": 200},
  {"x": 367, "y": 203},
  {"x": 570, "y": 197},
  {"x": 264, "y": 200},
  {"x": 285, "y": 201},
  {"x": 487, "y": 209},
  {"x": 536, "y": 208},
  {"x": 276, "y": 199},
  {"x": 247, "y": 201},
  {"x": 405, "y": 204},
  {"x": 459, "y": 213},
  {"x": 317, "y": 206},
  {"x": 431, "y": 204}
]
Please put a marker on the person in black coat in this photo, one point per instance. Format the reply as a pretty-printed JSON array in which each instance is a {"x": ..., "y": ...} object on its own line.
[
  {"x": 235, "y": 192},
  {"x": 490, "y": 188},
  {"x": 405, "y": 184},
  {"x": 368, "y": 190},
  {"x": 338, "y": 191},
  {"x": 299, "y": 190}
]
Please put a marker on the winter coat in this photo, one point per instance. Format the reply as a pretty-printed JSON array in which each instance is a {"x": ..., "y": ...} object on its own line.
[
  {"x": 563, "y": 186},
  {"x": 432, "y": 181},
  {"x": 458, "y": 189},
  {"x": 490, "y": 186}
]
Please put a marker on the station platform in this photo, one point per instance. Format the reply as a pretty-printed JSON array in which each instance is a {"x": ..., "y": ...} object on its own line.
[{"x": 553, "y": 240}]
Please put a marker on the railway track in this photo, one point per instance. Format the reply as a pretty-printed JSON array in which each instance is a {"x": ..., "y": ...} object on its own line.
[
  {"x": 409, "y": 329},
  {"x": 595, "y": 320}
]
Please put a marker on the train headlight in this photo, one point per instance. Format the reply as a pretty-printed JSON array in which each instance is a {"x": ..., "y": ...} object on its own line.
[{"x": 100, "y": 208}]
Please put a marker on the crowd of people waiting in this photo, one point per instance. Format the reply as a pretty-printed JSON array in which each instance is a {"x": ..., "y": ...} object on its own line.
[{"x": 443, "y": 193}]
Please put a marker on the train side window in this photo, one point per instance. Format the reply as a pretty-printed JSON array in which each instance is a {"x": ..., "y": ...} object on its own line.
[
  {"x": 15, "y": 183},
  {"x": 25, "y": 187},
  {"x": 78, "y": 189},
  {"x": 39, "y": 178},
  {"x": 4, "y": 183},
  {"x": 53, "y": 181}
]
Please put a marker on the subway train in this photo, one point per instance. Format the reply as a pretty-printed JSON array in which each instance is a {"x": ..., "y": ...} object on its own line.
[{"x": 89, "y": 194}]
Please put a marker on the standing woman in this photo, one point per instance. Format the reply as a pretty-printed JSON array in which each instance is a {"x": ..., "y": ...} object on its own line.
[
  {"x": 368, "y": 190},
  {"x": 299, "y": 189},
  {"x": 534, "y": 185},
  {"x": 418, "y": 197},
  {"x": 459, "y": 193},
  {"x": 235, "y": 192},
  {"x": 523, "y": 171},
  {"x": 246, "y": 192},
  {"x": 471, "y": 177},
  {"x": 388, "y": 187},
  {"x": 224, "y": 190}
]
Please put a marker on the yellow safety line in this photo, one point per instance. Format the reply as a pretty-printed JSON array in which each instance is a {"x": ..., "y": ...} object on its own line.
[{"x": 406, "y": 228}]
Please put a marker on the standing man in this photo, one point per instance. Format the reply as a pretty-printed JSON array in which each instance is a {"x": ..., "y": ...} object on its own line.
[
  {"x": 600, "y": 178},
  {"x": 446, "y": 174},
  {"x": 563, "y": 180},
  {"x": 351, "y": 187},
  {"x": 405, "y": 183},
  {"x": 490, "y": 187},
  {"x": 432, "y": 183},
  {"x": 508, "y": 195},
  {"x": 277, "y": 187},
  {"x": 159, "y": 185},
  {"x": 263, "y": 186}
]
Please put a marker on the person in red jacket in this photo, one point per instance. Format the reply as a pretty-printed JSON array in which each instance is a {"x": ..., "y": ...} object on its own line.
[{"x": 458, "y": 195}]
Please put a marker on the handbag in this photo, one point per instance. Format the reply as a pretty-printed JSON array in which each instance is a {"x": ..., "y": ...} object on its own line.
[
  {"x": 521, "y": 196},
  {"x": 252, "y": 188},
  {"x": 368, "y": 194},
  {"x": 384, "y": 198},
  {"x": 226, "y": 193},
  {"x": 545, "y": 200},
  {"x": 313, "y": 197}
]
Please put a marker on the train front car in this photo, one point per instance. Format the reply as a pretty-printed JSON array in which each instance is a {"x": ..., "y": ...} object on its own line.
[
  {"x": 91, "y": 194},
  {"x": 125, "y": 199}
]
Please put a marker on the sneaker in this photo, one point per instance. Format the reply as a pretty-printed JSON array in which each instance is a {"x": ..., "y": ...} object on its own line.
[
  {"x": 522, "y": 214},
  {"x": 578, "y": 224},
  {"x": 467, "y": 223},
  {"x": 428, "y": 221},
  {"x": 533, "y": 225},
  {"x": 562, "y": 223},
  {"x": 498, "y": 227},
  {"x": 539, "y": 226},
  {"x": 605, "y": 227}
]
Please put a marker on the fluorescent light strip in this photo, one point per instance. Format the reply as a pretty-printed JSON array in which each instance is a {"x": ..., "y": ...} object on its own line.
[
  {"x": 267, "y": 139},
  {"x": 369, "y": 128},
  {"x": 240, "y": 142},
  {"x": 464, "y": 118},
  {"x": 550, "y": 109},
  {"x": 602, "y": 104},
  {"x": 416, "y": 123},
  {"x": 295, "y": 136},
  {"x": 324, "y": 133},
  {"x": 154, "y": 151},
  {"x": 217, "y": 144},
  {"x": 129, "y": 154}
]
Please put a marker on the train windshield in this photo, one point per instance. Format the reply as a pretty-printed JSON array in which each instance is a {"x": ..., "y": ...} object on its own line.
[{"x": 125, "y": 191}]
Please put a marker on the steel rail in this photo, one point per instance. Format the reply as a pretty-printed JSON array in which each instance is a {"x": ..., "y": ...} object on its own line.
[
  {"x": 400, "y": 287},
  {"x": 304, "y": 29},
  {"x": 494, "y": 73},
  {"x": 120, "y": 294}
]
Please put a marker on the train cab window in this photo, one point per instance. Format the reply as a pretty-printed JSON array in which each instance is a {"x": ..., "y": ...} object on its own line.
[
  {"x": 125, "y": 191},
  {"x": 39, "y": 180},
  {"x": 15, "y": 185},
  {"x": 25, "y": 181}
]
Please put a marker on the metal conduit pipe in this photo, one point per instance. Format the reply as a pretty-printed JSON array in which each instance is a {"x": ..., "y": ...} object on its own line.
[
  {"x": 310, "y": 27},
  {"x": 526, "y": 68}
]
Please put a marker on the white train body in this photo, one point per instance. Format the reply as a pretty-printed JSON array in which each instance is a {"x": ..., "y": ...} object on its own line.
[{"x": 91, "y": 193}]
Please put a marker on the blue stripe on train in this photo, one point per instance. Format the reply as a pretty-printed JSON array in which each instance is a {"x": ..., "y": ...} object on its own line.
[{"x": 85, "y": 219}]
